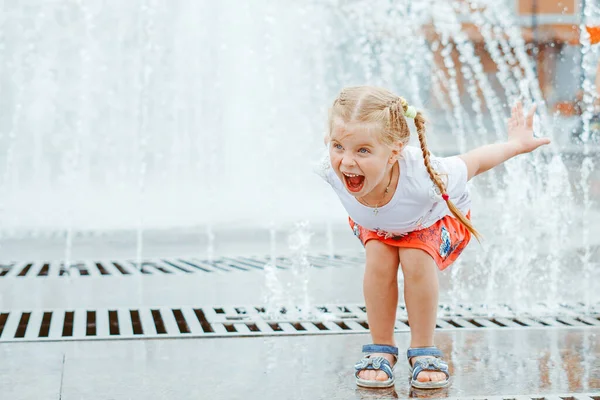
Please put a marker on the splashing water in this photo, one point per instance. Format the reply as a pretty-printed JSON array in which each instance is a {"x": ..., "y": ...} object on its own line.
[{"x": 135, "y": 130}]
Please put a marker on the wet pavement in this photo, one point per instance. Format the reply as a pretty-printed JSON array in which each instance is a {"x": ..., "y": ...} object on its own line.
[{"x": 487, "y": 363}]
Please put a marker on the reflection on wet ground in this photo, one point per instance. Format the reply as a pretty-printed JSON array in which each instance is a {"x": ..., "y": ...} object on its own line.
[{"x": 491, "y": 362}]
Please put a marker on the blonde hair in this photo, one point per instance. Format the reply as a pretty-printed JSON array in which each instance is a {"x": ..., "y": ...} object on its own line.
[{"x": 368, "y": 105}]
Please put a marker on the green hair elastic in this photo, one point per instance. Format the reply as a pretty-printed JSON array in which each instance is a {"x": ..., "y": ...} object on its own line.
[{"x": 410, "y": 112}]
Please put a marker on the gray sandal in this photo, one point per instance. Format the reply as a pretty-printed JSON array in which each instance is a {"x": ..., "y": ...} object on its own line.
[
  {"x": 432, "y": 362},
  {"x": 375, "y": 363}
]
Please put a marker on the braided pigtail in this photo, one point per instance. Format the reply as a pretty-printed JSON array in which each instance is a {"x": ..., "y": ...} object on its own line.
[{"x": 420, "y": 124}]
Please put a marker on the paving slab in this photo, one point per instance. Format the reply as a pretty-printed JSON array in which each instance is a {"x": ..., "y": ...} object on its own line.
[{"x": 33, "y": 373}]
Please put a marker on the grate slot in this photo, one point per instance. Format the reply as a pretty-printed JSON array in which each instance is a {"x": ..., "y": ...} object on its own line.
[
  {"x": 45, "y": 326},
  {"x": 518, "y": 322},
  {"x": 194, "y": 265},
  {"x": 162, "y": 269},
  {"x": 136, "y": 322},
  {"x": 5, "y": 268},
  {"x": 584, "y": 322},
  {"x": 342, "y": 325},
  {"x": 588, "y": 320},
  {"x": 484, "y": 322},
  {"x": 298, "y": 326},
  {"x": 454, "y": 324},
  {"x": 103, "y": 271},
  {"x": 245, "y": 262},
  {"x": 113, "y": 322},
  {"x": 90, "y": 325},
  {"x": 364, "y": 324},
  {"x": 173, "y": 265},
  {"x": 203, "y": 321},
  {"x": 120, "y": 268},
  {"x": 564, "y": 323},
  {"x": 242, "y": 264},
  {"x": 181, "y": 322},
  {"x": 44, "y": 270},
  {"x": 68, "y": 324},
  {"x": 255, "y": 263},
  {"x": 158, "y": 322},
  {"x": 571, "y": 321},
  {"x": 275, "y": 326},
  {"x": 22, "y": 327},
  {"x": 25, "y": 270},
  {"x": 229, "y": 264}
]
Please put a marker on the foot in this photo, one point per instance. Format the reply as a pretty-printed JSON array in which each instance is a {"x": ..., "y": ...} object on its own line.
[
  {"x": 378, "y": 375},
  {"x": 427, "y": 376}
]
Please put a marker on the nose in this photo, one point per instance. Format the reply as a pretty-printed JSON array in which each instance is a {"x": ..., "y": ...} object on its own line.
[{"x": 348, "y": 160}]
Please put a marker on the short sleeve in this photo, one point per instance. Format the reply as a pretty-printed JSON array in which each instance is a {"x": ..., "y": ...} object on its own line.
[
  {"x": 323, "y": 168},
  {"x": 453, "y": 172}
]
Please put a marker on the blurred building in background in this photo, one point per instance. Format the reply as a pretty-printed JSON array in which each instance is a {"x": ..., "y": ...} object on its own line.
[{"x": 551, "y": 30}]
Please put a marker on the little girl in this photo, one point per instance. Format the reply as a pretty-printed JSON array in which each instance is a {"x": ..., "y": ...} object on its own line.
[{"x": 409, "y": 208}]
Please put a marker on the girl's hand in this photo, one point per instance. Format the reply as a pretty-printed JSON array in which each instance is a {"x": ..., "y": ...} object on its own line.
[{"x": 520, "y": 130}]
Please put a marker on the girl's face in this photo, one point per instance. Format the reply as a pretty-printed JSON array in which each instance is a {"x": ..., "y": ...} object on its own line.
[{"x": 359, "y": 158}]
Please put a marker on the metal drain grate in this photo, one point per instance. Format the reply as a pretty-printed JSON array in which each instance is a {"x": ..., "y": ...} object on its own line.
[
  {"x": 169, "y": 322},
  {"x": 175, "y": 266}
]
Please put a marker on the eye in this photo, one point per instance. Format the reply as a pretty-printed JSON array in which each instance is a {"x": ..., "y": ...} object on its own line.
[
  {"x": 363, "y": 150},
  {"x": 337, "y": 146}
]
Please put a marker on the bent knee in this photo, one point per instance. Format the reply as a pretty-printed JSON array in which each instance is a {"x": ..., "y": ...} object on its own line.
[{"x": 381, "y": 258}]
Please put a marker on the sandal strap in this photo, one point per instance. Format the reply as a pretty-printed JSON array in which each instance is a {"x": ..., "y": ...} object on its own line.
[
  {"x": 429, "y": 364},
  {"x": 380, "y": 348},
  {"x": 374, "y": 363},
  {"x": 423, "y": 351}
]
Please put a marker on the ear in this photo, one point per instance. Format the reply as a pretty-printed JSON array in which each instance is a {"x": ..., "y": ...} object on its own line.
[{"x": 396, "y": 151}]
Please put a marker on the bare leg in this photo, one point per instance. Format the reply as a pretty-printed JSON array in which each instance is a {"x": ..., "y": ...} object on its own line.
[
  {"x": 381, "y": 298},
  {"x": 421, "y": 297}
]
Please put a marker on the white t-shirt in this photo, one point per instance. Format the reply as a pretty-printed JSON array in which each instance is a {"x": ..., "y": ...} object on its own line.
[{"x": 417, "y": 203}]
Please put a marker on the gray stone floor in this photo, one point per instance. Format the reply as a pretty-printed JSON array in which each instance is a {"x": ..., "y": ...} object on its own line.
[{"x": 483, "y": 363}]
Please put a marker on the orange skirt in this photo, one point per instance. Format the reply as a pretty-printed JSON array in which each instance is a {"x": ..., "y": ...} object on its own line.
[{"x": 443, "y": 241}]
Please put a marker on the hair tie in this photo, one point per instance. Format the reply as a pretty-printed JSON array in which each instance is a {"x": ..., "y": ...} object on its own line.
[
  {"x": 410, "y": 112},
  {"x": 445, "y": 197}
]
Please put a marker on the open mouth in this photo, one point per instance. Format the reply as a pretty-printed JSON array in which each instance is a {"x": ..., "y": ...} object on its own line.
[{"x": 354, "y": 183}]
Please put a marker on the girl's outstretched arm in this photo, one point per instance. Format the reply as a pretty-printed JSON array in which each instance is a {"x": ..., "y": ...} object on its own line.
[{"x": 520, "y": 141}]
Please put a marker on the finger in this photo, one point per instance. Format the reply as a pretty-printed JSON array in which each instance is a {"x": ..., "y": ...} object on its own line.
[
  {"x": 520, "y": 113},
  {"x": 542, "y": 141},
  {"x": 513, "y": 110},
  {"x": 530, "y": 116}
]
